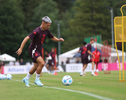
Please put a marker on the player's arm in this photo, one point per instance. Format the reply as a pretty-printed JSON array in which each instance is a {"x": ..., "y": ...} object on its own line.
[
  {"x": 56, "y": 39},
  {"x": 79, "y": 50},
  {"x": 19, "y": 51},
  {"x": 91, "y": 53}
]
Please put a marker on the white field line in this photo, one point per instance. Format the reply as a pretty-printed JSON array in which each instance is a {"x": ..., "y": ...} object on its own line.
[{"x": 85, "y": 93}]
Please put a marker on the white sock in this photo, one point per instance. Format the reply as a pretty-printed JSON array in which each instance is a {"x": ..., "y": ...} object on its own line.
[
  {"x": 48, "y": 71},
  {"x": 37, "y": 76},
  {"x": 97, "y": 70},
  {"x": 92, "y": 72},
  {"x": 81, "y": 73},
  {"x": 53, "y": 72},
  {"x": 28, "y": 76}
]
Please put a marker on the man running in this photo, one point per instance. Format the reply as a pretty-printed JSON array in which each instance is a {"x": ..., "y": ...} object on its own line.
[
  {"x": 52, "y": 62},
  {"x": 85, "y": 57},
  {"x": 82, "y": 50},
  {"x": 38, "y": 37}
]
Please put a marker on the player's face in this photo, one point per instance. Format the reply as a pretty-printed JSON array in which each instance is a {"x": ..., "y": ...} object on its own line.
[
  {"x": 92, "y": 41},
  {"x": 46, "y": 25},
  {"x": 46, "y": 53},
  {"x": 53, "y": 50}
]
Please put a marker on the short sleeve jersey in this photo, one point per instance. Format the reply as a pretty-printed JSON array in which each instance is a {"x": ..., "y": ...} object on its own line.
[
  {"x": 52, "y": 54},
  {"x": 83, "y": 50},
  {"x": 88, "y": 48},
  {"x": 38, "y": 37}
]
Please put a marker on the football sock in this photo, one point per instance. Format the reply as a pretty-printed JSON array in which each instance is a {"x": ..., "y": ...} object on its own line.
[
  {"x": 84, "y": 72},
  {"x": 97, "y": 70},
  {"x": 37, "y": 76},
  {"x": 48, "y": 71},
  {"x": 53, "y": 72},
  {"x": 28, "y": 76},
  {"x": 81, "y": 73},
  {"x": 92, "y": 72}
]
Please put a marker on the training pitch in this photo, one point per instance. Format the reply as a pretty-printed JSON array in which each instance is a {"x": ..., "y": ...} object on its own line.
[{"x": 102, "y": 87}]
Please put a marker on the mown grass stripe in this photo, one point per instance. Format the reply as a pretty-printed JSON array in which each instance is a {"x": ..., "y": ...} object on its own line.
[{"x": 85, "y": 93}]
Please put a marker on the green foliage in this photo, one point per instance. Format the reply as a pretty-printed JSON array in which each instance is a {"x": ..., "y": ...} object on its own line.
[
  {"x": 11, "y": 24},
  {"x": 91, "y": 18},
  {"x": 78, "y": 19},
  {"x": 28, "y": 7},
  {"x": 116, "y": 5}
]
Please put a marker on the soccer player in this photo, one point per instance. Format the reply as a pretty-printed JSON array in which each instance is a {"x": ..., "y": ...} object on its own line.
[
  {"x": 38, "y": 37},
  {"x": 85, "y": 59},
  {"x": 96, "y": 59},
  {"x": 47, "y": 59},
  {"x": 52, "y": 61},
  {"x": 82, "y": 50}
]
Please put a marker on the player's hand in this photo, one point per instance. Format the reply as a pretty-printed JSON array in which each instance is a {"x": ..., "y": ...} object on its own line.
[
  {"x": 61, "y": 40},
  {"x": 19, "y": 51},
  {"x": 94, "y": 56}
]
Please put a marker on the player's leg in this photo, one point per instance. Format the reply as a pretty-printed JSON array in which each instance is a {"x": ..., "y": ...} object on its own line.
[
  {"x": 82, "y": 60},
  {"x": 52, "y": 67},
  {"x": 85, "y": 66},
  {"x": 83, "y": 70},
  {"x": 33, "y": 69},
  {"x": 92, "y": 72},
  {"x": 41, "y": 64},
  {"x": 47, "y": 66},
  {"x": 96, "y": 72},
  {"x": 30, "y": 73}
]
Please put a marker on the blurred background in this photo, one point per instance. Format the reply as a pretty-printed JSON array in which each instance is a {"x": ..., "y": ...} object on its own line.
[{"x": 74, "y": 20}]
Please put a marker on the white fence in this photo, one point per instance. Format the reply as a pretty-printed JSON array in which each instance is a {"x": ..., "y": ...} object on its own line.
[
  {"x": 78, "y": 67},
  {"x": 22, "y": 69}
]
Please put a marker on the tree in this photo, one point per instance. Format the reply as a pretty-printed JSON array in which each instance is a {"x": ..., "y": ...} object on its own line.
[
  {"x": 11, "y": 23},
  {"x": 28, "y": 7},
  {"x": 63, "y": 6},
  {"x": 116, "y": 5},
  {"x": 91, "y": 18}
]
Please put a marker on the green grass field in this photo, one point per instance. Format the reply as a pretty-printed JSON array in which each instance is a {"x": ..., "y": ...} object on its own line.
[{"x": 104, "y": 86}]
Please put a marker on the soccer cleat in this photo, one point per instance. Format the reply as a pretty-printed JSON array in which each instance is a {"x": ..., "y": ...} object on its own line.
[
  {"x": 82, "y": 75},
  {"x": 26, "y": 81},
  {"x": 38, "y": 82},
  {"x": 96, "y": 73}
]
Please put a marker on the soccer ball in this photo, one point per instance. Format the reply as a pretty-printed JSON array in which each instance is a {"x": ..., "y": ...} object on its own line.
[
  {"x": 67, "y": 80},
  {"x": 3, "y": 77},
  {"x": 9, "y": 76}
]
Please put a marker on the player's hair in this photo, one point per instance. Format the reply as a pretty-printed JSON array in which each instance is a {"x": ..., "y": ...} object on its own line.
[
  {"x": 47, "y": 51},
  {"x": 46, "y": 19},
  {"x": 84, "y": 43},
  {"x": 91, "y": 39}
]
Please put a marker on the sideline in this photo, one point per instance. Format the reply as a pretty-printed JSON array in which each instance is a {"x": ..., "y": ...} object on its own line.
[{"x": 86, "y": 93}]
